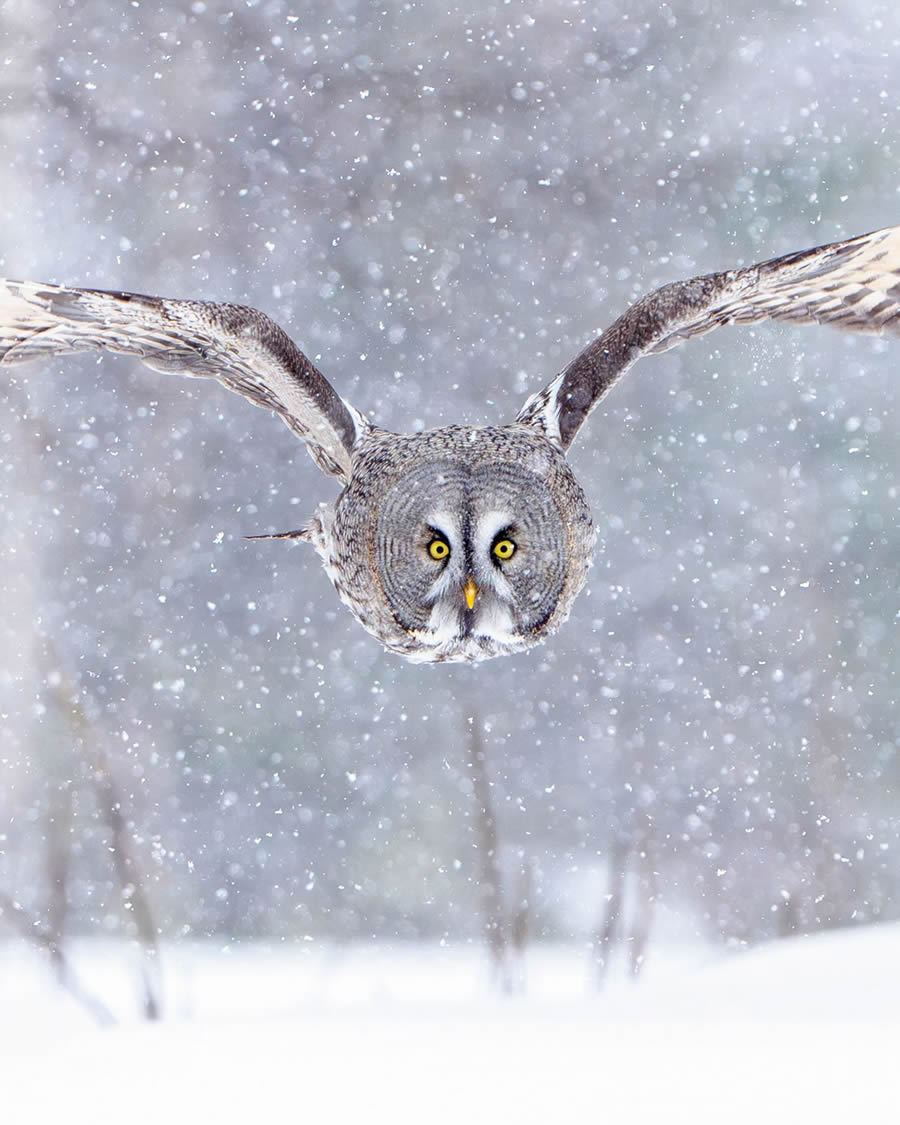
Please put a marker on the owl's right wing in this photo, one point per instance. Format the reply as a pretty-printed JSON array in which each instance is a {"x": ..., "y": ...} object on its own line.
[
  {"x": 854, "y": 285},
  {"x": 240, "y": 347}
]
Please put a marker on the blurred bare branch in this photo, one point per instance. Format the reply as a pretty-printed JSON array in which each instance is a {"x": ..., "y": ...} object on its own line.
[
  {"x": 47, "y": 940},
  {"x": 109, "y": 800},
  {"x": 491, "y": 879}
]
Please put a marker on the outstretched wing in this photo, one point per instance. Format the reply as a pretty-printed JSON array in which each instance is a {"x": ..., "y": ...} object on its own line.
[
  {"x": 241, "y": 347},
  {"x": 853, "y": 285}
]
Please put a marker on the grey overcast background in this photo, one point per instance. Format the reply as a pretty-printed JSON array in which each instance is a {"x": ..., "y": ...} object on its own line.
[{"x": 442, "y": 207}]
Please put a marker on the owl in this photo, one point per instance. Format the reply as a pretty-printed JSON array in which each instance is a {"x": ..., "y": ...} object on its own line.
[{"x": 464, "y": 542}]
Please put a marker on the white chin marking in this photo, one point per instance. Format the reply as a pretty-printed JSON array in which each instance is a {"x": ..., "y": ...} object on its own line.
[
  {"x": 490, "y": 635},
  {"x": 495, "y": 621}
]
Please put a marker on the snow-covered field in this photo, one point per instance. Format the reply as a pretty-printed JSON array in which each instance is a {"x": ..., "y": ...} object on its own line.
[{"x": 802, "y": 1031}]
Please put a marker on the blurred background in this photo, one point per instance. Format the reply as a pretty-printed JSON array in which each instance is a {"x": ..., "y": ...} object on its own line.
[{"x": 442, "y": 207}]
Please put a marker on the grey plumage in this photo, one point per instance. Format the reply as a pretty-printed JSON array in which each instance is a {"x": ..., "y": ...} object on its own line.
[
  {"x": 854, "y": 285},
  {"x": 464, "y": 542},
  {"x": 241, "y": 347},
  {"x": 472, "y": 486}
]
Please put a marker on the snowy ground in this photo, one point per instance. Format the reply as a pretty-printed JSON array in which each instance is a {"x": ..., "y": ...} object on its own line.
[{"x": 802, "y": 1031}]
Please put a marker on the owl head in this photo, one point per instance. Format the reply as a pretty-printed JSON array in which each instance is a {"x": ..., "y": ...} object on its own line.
[
  {"x": 461, "y": 543},
  {"x": 464, "y": 542}
]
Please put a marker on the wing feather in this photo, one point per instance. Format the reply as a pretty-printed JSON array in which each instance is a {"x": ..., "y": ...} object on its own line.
[
  {"x": 240, "y": 347},
  {"x": 853, "y": 285}
]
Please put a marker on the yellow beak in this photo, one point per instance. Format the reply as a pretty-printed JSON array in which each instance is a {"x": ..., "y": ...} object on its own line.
[{"x": 471, "y": 592}]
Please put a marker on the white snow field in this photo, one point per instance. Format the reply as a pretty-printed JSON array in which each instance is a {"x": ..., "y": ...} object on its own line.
[{"x": 805, "y": 1030}]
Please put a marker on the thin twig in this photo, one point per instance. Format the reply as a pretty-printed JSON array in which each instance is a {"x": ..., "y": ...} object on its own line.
[
  {"x": 39, "y": 934},
  {"x": 490, "y": 882},
  {"x": 111, "y": 804}
]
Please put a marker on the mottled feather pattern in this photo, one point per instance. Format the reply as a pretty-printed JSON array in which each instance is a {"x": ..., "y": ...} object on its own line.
[
  {"x": 241, "y": 347},
  {"x": 853, "y": 285},
  {"x": 467, "y": 488}
]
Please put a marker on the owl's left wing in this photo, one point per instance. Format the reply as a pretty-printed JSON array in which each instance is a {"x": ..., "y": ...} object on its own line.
[
  {"x": 854, "y": 285},
  {"x": 240, "y": 347}
]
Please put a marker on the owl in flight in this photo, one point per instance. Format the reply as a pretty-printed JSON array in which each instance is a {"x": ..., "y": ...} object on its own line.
[{"x": 463, "y": 542}]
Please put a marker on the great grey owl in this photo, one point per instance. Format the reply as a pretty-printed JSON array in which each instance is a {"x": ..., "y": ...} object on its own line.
[{"x": 464, "y": 542}]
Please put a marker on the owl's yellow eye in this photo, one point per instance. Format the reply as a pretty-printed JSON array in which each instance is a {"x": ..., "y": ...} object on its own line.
[
  {"x": 439, "y": 549},
  {"x": 504, "y": 549}
]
